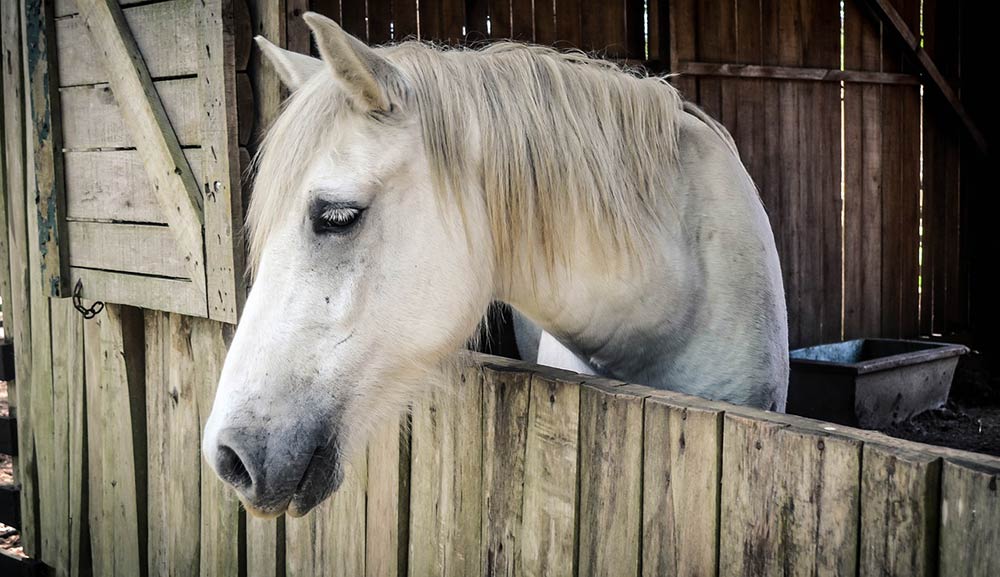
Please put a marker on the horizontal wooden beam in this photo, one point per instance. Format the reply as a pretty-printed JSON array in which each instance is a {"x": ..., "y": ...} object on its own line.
[
  {"x": 793, "y": 73},
  {"x": 888, "y": 15}
]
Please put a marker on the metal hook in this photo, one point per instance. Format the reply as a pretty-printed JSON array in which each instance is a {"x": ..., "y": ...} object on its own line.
[{"x": 87, "y": 312}]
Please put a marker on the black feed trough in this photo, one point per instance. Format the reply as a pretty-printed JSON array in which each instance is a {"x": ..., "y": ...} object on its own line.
[{"x": 871, "y": 383}]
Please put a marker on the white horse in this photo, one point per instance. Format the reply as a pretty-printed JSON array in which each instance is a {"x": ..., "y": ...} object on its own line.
[{"x": 404, "y": 188}]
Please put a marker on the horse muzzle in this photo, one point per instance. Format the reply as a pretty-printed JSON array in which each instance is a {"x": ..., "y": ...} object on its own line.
[{"x": 274, "y": 471}]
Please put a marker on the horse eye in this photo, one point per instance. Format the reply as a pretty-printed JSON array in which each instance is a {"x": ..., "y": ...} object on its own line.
[{"x": 333, "y": 218}]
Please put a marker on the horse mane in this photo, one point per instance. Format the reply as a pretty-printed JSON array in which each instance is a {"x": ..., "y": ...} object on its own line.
[{"x": 554, "y": 139}]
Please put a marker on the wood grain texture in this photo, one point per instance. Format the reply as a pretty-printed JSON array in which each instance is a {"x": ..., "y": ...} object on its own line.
[
  {"x": 445, "y": 480},
  {"x": 222, "y": 523},
  {"x": 551, "y": 464},
  {"x": 970, "y": 519},
  {"x": 166, "y": 35},
  {"x": 790, "y": 500},
  {"x": 173, "y": 429},
  {"x": 331, "y": 539},
  {"x": 610, "y": 520},
  {"x": 505, "y": 421},
  {"x": 134, "y": 248},
  {"x": 163, "y": 294},
  {"x": 17, "y": 315},
  {"x": 112, "y": 186},
  {"x": 92, "y": 119},
  {"x": 899, "y": 512},
  {"x": 166, "y": 167},
  {"x": 682, "y": 464},
  {"x": 223, "y": 203},
  {"x": 117, "y": 449},
  {"x": 388, "y": 522},
  {"x": 61, "y": 503},
  {"x": 47, "y": 142}
]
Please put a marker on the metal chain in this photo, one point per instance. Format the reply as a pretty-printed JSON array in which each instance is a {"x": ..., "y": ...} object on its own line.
[{"x": 87, "y": 312}]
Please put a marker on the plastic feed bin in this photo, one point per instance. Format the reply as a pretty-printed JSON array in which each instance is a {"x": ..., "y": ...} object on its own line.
[{"x": 871, "y": 383}]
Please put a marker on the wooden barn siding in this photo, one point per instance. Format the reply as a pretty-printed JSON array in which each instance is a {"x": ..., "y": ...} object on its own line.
[{"x": 94, "y": 402}]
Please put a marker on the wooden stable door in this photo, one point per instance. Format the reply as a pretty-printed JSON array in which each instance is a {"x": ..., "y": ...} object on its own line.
[{"x": 136, "y": 152}]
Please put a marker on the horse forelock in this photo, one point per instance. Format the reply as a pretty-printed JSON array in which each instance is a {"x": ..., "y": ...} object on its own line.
[{"x": 553, "y": 141}]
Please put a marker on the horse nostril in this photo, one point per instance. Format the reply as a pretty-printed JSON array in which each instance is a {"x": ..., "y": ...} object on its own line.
[{"x": 232, "y": 470}]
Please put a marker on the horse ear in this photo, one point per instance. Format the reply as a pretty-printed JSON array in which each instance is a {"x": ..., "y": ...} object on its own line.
[
  {"x": 293, "y": 68},
  {"x": 364, "y": 74}
]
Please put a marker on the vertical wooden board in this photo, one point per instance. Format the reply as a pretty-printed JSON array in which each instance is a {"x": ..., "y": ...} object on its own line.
[
  {"x": 863, "y": 193},
  {"x": 569, "y": 27},
  {"x": 477, "y": 16},
  {"x": 265, "y": 547},
  {"x": 331, "y": 539},
  {"x": 222, "y": 527},
  {"x": 544, "y": 19},
  {"x": 379, "y": 22},
  {"x": 610, "y": 520},
  {"x": 970, "y": 519},
  {"x": 117, "y": 465},
  {"x": 522, "y": 20},
  {"x": 353, "y": 19},
  {"x": 62, "y": 505},
  {"x": 899, "y": 512},
  {"x": 404, "y": 20},
  {"x": 506, "y": 395},
  {"x": 17, "y": 314},
  {"x": 445, "y": 480},
  {"x": 223, "y": 210},
  {"x": 549, "y": 513},
  {"x": 173, "y": 435},
  {"x": 682, "y": 463},
  {"x": 388, "y": 523},
  {"x": 789, "y": 500},
  {"x": 47, "y": 142},
  {"x": 602, "y": 28}
]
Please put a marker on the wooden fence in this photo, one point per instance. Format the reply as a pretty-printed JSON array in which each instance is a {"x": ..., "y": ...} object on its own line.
[{"x": 534, "y": 471}]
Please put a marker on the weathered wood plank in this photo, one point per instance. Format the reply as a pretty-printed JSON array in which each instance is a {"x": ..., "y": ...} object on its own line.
[
  {"x": 445, "y": 489},
  {"x": 222, "y": 520},
  {"x": 221, "y": 167},
  {"x": 46, "y": 138},
  {"x": 17, "y": 314},
  {"x": 388, "y": 523},
  {"x": 173, "y": 430},
  {"x": 970, "y": 519},
  {"x": 682, "y": 464},
  {"x": 162, "y": 294},
  {"x": 899, "y": 512},
  {"x": 795, "y": 73},
  {"x": 68, "y": 550},
  {"x": 789, "y": 500},
  {"x": 550, "y": 482},
  {"x": 166, "y": 35},
  {"x": 116, "y": 448},
  {"x": 610, "y": 520},
  {"x": 331, "y": 539},
  {"x": 179, "y": 194},
  {"x": 505, "y": 421},
  {"x": 111, "y": 185},
  {"x": 135, "y": 248},
  {"x": 92, "y": 119}
]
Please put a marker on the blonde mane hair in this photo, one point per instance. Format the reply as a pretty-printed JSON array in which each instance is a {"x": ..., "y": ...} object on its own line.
[{"x": 552, "y": 140}]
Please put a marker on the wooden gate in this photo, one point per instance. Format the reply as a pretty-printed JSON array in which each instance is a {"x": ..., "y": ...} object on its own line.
[{"x": 136, "y": 154}]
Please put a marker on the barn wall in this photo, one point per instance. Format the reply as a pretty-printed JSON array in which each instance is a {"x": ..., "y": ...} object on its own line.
[{"x": 110, "y": 410}]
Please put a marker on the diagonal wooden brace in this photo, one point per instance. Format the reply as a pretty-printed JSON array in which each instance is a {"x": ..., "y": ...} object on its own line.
[
  {"x": 157, "y": 144},
  {"x": 887, "y": 14}
]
